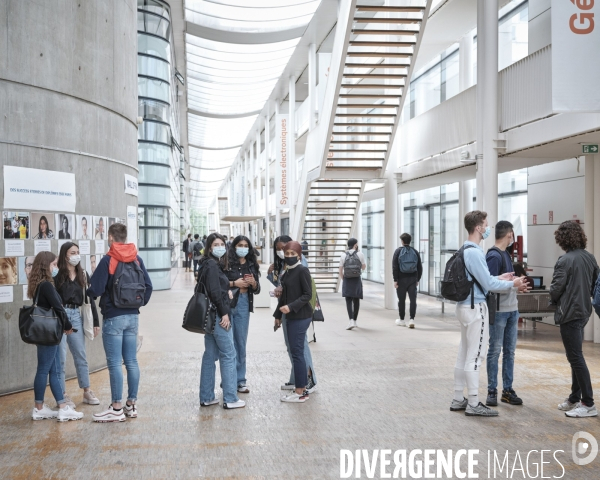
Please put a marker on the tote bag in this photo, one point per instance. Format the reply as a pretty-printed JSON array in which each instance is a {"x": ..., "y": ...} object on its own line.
[
  {"x": 200, "y": 314},
  {"x": 39, "y": 325}
]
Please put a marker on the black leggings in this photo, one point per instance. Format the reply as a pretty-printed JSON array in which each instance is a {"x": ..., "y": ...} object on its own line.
[{"x": 352, "y": 305}]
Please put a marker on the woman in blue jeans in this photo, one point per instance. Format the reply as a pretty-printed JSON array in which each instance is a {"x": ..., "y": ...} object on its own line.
[
  {"x": 219, "y": 344},
  {"x": 41, "y": 290},
  {"x": 274, "y": 275},
  {"x": 243, "y": 273},
  {"x": 294, "y": 302},
  {"x": 71, "y": 284}
]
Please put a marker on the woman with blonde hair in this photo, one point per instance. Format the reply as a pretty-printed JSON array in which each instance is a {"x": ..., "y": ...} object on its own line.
[
  {"x": 41, "y": 289},
  {"x": 8, "y": 271}
]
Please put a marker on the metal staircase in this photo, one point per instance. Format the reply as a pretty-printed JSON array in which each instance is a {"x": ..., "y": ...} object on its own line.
[{"x": 376, "y": 62}]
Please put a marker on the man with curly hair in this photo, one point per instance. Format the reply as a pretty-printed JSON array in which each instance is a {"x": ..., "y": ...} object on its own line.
[{"x": 573, "y": 280}]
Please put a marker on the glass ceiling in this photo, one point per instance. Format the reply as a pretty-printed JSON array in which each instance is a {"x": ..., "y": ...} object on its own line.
[{"x": 229, "y": 83}]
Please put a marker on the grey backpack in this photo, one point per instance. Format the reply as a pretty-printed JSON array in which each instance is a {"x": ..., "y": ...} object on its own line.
[
  {"x": 129, "y": 286},
  {"x": 352, "y": 265}
]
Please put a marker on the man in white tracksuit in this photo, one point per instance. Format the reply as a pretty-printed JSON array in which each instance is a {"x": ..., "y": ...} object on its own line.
[{"x": 474, "y": 322}]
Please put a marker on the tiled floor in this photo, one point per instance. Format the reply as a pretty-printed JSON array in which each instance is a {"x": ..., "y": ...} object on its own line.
[{"x": 380, "y": 387}]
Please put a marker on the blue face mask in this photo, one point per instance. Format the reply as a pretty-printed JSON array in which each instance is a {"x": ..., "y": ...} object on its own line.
[
  {"x": 218, "y": 251},
  {"x": 54, "y": 271},
  {"x": 242, "y": 251},
  {"x": 487, "y": 232}
]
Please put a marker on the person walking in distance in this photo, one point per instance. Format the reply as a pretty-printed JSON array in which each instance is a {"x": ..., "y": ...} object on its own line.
[
  {"x": 407, "y": 271},
  {"x": 352, "y": 264},
  {"x": 122, "y": 282},
  {"x": 195, "y": 248},
  {"x": 472, "y": 314},
  {"x": 573, "y": 282},
  {"x": 185, "y": 246},
  {"x": 503, "y": 331}
]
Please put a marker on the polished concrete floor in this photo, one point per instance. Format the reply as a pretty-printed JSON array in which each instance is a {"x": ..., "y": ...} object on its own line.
[{"x": 379, "y": 387}]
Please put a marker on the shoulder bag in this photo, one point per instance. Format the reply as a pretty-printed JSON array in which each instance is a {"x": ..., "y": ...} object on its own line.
[
  {"x": 200, "y": 314},
  {"x": 39, "y": 325}
]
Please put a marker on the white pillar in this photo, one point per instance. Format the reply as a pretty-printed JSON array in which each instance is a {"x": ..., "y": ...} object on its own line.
[
  {"x": 256, "y": 173},
  {"x": 292, "y": 150},
  {"x": 596, "y": 234},
  {"x": 487, "y": 110},
  {"x": 312, "y": 85},
  {"x": 465, "y": 205},
  {"x": 591, "y": 224},
  {"x": 465, "y": 62},
  {"x": 391, "y": 233},
  {"x": 266, "y": 250}
]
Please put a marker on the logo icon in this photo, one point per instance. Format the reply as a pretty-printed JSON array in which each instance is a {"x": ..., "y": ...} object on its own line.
[{"x": 584, "y": 444}]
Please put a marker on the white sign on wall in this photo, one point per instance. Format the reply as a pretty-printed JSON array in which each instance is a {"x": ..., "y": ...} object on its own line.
[
  {"x": 131, "y": 185},
  {"x": 14, "y": 248},
  {"x": 33, "y": 189},
  {"x": 282, "y": 167},
  {"x": 6, "y": 294},
  {"x": 132, "y": 230},
  {"x": 575, "y": 47}
]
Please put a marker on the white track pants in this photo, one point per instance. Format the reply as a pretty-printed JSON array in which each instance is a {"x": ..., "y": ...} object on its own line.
[{"x": 474, "y": 341}]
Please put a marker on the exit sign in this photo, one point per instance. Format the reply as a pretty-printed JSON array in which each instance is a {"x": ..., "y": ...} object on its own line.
[{"x": 590, "y": 148}]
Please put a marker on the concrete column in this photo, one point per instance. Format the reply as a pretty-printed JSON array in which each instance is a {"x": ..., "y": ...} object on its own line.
[
  {"x": 266, "y": 250},
  {"x": 292, "y": 187},
  {"x": 312, "y": 84},
  {"x": 596, "y": 233},
  {"x": 487, "y": 110},
  {"x": 465, "y": 65},
  {"x": 592, "y": 230},
  {"x": 465, "y": 205},
  {"x": 391, "y": 234}
]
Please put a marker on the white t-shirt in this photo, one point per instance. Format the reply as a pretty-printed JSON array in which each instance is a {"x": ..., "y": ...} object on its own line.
[{"x": 360, "y": 255}]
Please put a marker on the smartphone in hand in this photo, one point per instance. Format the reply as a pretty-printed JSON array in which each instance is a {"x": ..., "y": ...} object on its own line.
[{"x": 271, "y": 294}]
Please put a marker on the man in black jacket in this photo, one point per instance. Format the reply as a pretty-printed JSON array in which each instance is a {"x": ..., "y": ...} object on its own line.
[
  {"x": 573, "y": 280},
  {"x": 185, "y": 249},
  {"x": 407, "y": 271}
]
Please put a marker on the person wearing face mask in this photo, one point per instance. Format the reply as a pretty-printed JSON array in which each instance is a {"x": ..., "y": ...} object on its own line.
[
  {"x": 243, "y": 273},
  {"x": 218, "y": 345},
  {"x": 472, "y": 314},
  {"x": 71, "y": 284},
  {"x": 41, "y": 288},
  {"x": 274, "y": 275},
  {"x": 503, "y": 333},
  {"x": 294, "y": 302}
]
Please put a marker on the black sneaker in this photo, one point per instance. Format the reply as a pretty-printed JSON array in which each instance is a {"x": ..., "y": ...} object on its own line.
[
  {"x": 492, "y": 398},
  {"x": 509, "y": 396}
]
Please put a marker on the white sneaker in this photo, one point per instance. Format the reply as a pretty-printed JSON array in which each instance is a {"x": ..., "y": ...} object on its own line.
[
  {"x": 582, "y": 411},
  {"x": 351, "y": 325},
  {"x": 90, "y": 398},
  {"x": 295, "y": 398},
  {"x": 68, "y": 401},
  {"x": 567, "y": 406},
  {"x": 130, "y": 411},
  {"x": 400, "y": 323},
  {"x": 68, "y": 413},
  {"x": 238, "y": 404},
  {"x": 243, "y": 389},
  {"x": 411, "y": 323},
  {"x": 215, "y": 401},
  {"x": 109, "y": 415},
  {"x": 354, "y": 325},
  {"x": 44, "y": 413}
]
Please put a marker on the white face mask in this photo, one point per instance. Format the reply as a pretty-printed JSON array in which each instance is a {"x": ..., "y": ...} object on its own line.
[
  {"x": 74, "y": 260},
  {"x": 280, "y": 254}
]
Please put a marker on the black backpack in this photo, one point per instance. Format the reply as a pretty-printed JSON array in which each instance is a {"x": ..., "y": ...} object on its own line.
[
  {"x": 129, "y": 286},
  {"x": 352, "y": 265},
  {"x": 197, "y": 248},
  {"x": 456, "y": 285}
]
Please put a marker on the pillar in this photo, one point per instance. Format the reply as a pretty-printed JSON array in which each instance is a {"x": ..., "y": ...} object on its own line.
[
  {"x": 312, "y": 85},
  {"x": 292, "y": 150},
  {"x": 391, "y": 234},
  {"x": 266, "y": 250},
  {"x": 487, "y": 110},
  {"x": 465, "y": 205},
  {"x": 592, "y": 230}
]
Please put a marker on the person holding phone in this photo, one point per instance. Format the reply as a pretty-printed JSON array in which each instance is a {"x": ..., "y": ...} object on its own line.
[
  {"x": 219, "y": 344},
  {"x": 41, "y": 286},
  {"x": 243, "y": 273}
]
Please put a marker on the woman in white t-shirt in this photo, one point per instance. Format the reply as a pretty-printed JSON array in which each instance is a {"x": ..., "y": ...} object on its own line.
[{"x": 352, "y": 263}]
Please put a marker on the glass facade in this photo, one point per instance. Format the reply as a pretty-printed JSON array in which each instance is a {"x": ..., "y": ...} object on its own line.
[
  {"x": 431, "y": 217},
  {"x": 159, "y": 157}
]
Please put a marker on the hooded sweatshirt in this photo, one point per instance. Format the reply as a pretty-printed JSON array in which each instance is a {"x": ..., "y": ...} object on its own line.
[{"x": 102, "y": 279}]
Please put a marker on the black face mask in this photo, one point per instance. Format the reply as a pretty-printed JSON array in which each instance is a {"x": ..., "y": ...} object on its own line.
[{"x": 291, "y": 261}]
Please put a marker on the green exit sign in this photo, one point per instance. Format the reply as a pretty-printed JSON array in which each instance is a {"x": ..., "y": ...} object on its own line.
[{"x": 590, "y": 148}]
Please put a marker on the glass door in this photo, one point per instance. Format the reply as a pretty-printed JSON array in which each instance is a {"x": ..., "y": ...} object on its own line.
[
  {"x": 434, "y": 249},
  {"x": 423, "y": 248}
]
